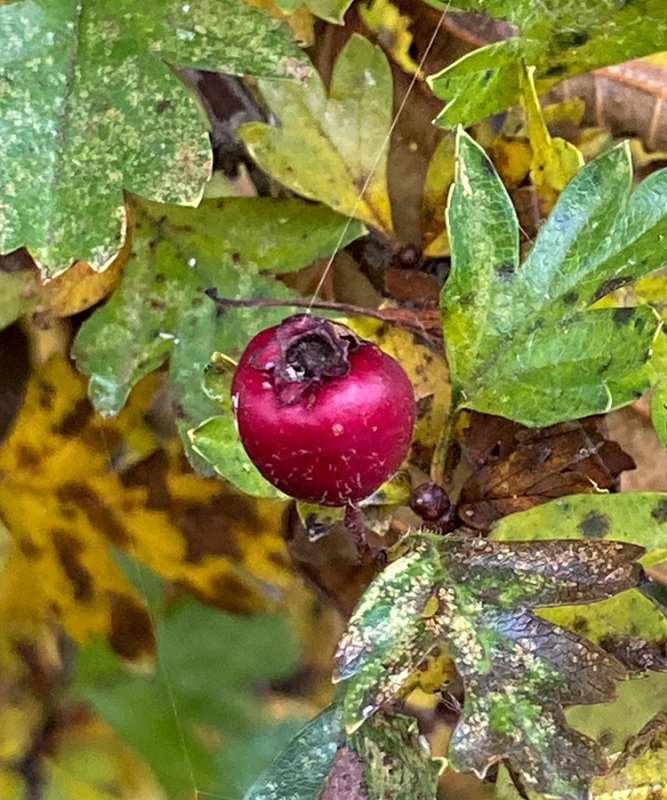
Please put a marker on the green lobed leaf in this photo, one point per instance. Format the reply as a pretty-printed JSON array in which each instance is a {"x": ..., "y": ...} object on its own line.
[
  {"x": 160, "y": 310},
  {"x": 196, "y": 684},
  {"x": 473, "y": 596},
  {"x": 90, "y": 105},
  {"x": 325, "y": 148},
  {"x": 560, "y": 38},
  {"x": 637, "y": 517},
  {"x": 520, "y": 340}
]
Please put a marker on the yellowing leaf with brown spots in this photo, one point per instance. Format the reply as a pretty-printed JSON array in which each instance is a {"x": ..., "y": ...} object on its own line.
[
  {"x": 429, "y": 375},
  {"x": 65, "y": 506}
]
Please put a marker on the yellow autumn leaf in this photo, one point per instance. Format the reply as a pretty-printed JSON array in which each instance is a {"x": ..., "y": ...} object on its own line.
[
  {"x": 554, "y": 160},
  {"x": 301, "y": 21},
  {"x": 12, "y": 785},
  {"x": 66, "y": 507},
  {"x": 439, "y": 178},
  {"x": 79, "y": 288},
  {"x": 393, "y": 32}
]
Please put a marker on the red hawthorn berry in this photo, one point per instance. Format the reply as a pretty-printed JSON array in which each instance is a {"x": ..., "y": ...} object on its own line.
[{"x": 324, "y": 415}]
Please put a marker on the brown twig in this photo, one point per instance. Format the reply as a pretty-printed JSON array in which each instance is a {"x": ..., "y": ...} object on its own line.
[{"x": 429, "y": 329}]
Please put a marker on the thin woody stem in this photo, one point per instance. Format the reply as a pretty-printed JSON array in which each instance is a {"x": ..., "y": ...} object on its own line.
[
  {"x": 396, "y": 317},
  {"x": 324, "y": 305}
]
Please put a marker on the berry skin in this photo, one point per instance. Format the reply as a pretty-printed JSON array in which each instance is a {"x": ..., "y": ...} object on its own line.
[
  {"x": 430, "y": 502},
  {"x": 324, "y": 415}
]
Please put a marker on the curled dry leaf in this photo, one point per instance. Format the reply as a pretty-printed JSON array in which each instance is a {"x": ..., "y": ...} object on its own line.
[{"x": 515, "y": 468}]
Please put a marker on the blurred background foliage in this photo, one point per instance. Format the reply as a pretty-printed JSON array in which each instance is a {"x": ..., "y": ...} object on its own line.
[{"x": 162, "y": 632}]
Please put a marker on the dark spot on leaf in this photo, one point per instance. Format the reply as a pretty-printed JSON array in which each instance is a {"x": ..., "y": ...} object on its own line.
[
  {"x": 131, "y": 633},
  {"x": 594, "y": 525},
  {"x": 68, "y": 549},
  {"x": 610, "y": 286},
  {"x": 160, "y": 277},
  {"x": 179, "y": 410},
  {"x": 208, "y": 527},
  {"x": 571, "y": 297},
  {"x": 565, "y": 39},
  {"x": 236, "y": 257},
  {"x": 230, "y": 593},
  {"x": 659, "y": 513},
  {"x": 30, "y": 549},
  {"x": 46, "y": 394},
  {"x": 622, "y": 316},
  {"x": 505, "y": 270},
  {"x": 640, "y": 324},
  {"x": 580, "y": 624},
  {"x": 579, "y": 37},
  {"x": 556, "y": 69},
  {"x": 196, "y": 302},
  {"x": 539, "y": 323},
  {"x": 158, "y": 304},
  {"x": 99, "y": 515},
  {"x": 162, "y": 106},
  {"x": 151, "y": 474},
  {"x": 27, "y": 457},
  {"x": 76, "y": 420},
  {"x": 487, "y": 76},
  {"x": 606, "y": 737},
  {"x": 604, "y": 368}
]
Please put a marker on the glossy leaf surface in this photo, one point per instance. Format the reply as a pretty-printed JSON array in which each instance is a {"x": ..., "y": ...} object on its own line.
[{"x": 520, "y": 340}]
